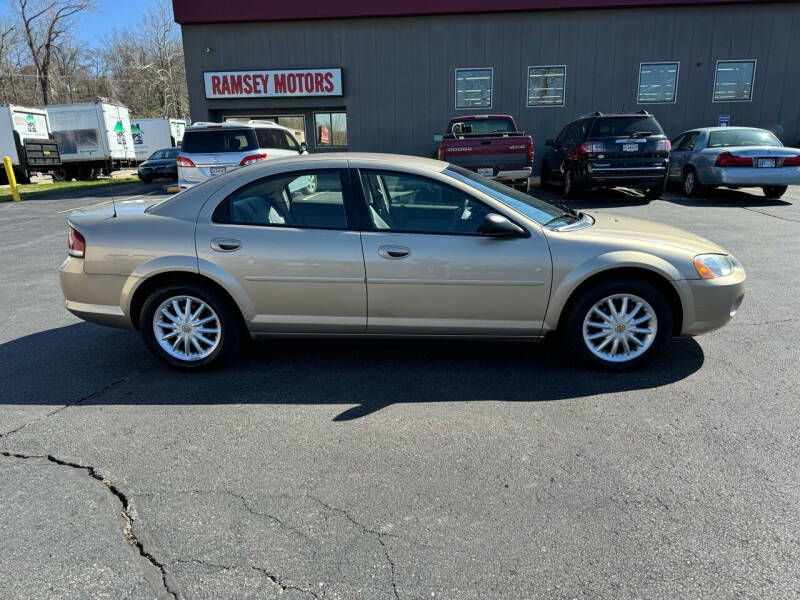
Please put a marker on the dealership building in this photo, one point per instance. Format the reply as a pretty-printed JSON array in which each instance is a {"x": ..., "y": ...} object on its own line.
[{"x": 387, "y": 77}]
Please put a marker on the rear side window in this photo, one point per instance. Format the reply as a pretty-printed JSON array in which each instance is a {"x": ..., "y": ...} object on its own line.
[
  {"x": 206, "y": 141},
  {"x": 742, "y": 137},
  {"x": 619, "y": 126},
  {"x": 275, "y": 138},
  {"x": 313, "y": 199}
]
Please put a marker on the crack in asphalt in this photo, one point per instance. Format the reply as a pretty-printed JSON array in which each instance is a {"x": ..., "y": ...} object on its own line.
[
  {"x": 379, "y": 535},
  {"x": 768, "y": 322},
  {"x": 126, "y": 515},
  {"x": 771, "y": 215},
  {"x": 82, "y": 399},
  {"x": 284, "y": 587}
]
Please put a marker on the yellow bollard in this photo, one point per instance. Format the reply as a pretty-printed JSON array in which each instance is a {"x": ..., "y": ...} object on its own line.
[{"x": 11, "y": 178}]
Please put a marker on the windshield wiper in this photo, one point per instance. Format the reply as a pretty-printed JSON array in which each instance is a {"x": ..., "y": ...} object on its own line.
[{"x": 641, "y": 134}]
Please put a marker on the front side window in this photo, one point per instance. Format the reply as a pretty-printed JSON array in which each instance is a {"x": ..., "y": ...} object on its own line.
[
  {"x": 546, "y": 85},
  {"x": 742, "y": 137},
  {"x": 331, "y": 129},
  {"x": 474, "y": 88},
  {"x": 658, "y": 83},
  {"x": 688, "y": 142},
  {"x": 300, "y": 199},
  {"x": 733, "y": 81},
  {"x": 410, "y": 203}
]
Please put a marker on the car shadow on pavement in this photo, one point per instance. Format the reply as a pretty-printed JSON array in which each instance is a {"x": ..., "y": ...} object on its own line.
[{"x": 87, "y": 364}]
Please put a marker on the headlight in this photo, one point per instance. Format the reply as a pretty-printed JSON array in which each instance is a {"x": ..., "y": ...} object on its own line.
[{"x": 711, "y": 266}]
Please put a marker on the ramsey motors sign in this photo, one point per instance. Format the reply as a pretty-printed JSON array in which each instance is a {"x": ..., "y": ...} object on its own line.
[{"x": 273, "y": 84}]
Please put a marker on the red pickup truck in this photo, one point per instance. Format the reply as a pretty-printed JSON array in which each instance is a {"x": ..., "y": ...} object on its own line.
[{"x": 491, "y": 145}]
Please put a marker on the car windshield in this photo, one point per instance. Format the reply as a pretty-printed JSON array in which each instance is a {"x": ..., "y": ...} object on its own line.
[
  {"x": 172, "y": 152},
  {"x": 531, "y": 207},
  {"x": 621, "y": 126},
  {"x": 208, "y": 141},
  {"x": 482, "y": 126},
  {"x": 742, "y": 137}
]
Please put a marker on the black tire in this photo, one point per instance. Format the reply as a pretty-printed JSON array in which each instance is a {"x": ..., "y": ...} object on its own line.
[
  {"x": 230, "y": 325},
  {"x": 573, "y": 324},
  {"x": 655, "y": 192},
  {"x": 775, "y": 191},
  {"x": 145, "y": 179},
  {"x": 87, "y": 173},
  {"x": 546, "y": 177},
  {"x": 571, "y": 189},
  {"x": 691, "y": 184}
]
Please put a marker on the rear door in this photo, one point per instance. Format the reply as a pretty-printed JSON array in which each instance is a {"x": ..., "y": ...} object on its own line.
[
  {"x": 430, "y": 272},
  {"x": 291, "y": 249}
]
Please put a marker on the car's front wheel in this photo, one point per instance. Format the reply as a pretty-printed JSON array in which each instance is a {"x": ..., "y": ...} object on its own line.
[
  {"x": 619, "y": 325},
  {"x": 190, "y": 326},
  {"x": 775, "y": 191}
]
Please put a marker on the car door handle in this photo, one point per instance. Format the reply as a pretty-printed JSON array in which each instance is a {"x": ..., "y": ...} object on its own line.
[
  {"x": 394, "y": 252},
  {"x": 225, "y": 245}
]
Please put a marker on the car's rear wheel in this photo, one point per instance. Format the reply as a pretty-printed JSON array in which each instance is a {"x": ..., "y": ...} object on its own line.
[
  {"x": 655, "y": 192},
  {"x": 775, "y": 191},
  {"x": 570, "y": 189},
  {"x": 190, "y": 326},
  {"x": 619, "y": 325},
  {"x": 691, "y": 185},
  {"x": 145, "y": 178}
]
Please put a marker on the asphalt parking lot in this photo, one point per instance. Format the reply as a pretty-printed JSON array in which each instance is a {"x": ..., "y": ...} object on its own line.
[{"x": 403, "y": 470}]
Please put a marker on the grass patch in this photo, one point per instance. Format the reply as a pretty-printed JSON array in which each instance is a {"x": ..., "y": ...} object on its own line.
[{"x": 35, "y": 190}]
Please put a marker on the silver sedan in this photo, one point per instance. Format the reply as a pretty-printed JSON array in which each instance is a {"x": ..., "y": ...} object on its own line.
[
  {"x": 733, "y": 157},
  {"x": 381, "y": 245}
]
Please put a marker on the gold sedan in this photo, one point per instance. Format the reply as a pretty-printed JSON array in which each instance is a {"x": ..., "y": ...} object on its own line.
[{"x": 389, "y": 246}]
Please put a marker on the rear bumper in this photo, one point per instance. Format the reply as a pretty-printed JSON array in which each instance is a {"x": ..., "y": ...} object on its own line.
[
  {"x": 749, "y": 176},
  {"x": 513, "y": 174},
  {"x": 94, "y": 298},
  {"x": 710, "y": 304}
]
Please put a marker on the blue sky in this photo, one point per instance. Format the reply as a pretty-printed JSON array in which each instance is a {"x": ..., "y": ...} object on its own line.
[{"x": 107, "y": 16}]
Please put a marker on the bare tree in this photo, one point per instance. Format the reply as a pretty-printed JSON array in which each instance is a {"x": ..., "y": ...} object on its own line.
[
  {"x": 9, "y": 45},
  {"x": 43, "y": 25}
]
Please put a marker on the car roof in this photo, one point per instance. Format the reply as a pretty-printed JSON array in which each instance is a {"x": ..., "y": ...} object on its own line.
[
  {"x": 252, "y": 124},
  {"x": 725, "y": 128},
  {"x": 419, "y": 162}
]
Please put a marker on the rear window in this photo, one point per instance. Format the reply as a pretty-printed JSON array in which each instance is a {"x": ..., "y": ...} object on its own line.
[
  {"x": 742, "y": 137},
  {"x": 206, "y": 141},
  {"x": 481, "y": 126},
  {"x": 619, "y": 126}
]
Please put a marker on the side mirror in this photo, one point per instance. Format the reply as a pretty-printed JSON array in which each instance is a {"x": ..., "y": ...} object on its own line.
[
  {"x": 303, "y": 147},
  {"x": 495, "y": 225},
  {"x": 550, "y": 142}
]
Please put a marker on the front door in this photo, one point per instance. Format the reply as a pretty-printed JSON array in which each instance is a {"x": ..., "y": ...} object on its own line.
[
  {"x": 430, "y": 272},
  {"x": 680, "y": 154},
  {"x": 286, "y": 241}
]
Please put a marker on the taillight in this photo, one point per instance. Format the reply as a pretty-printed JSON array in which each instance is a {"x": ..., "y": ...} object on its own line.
[
  {"x": 440, "y": 153},
  {"x": 184, "y": 162},
  {"x": 592, "y": 147},
  {"x": 530, "y": 152},
  {"x": 247, "y": 160},
  {"x": 791, "y": 161},
  {"x": 76, "y": 243},
  {"x": 663, "y": 146},
  {"x": 726, "y": 159}
]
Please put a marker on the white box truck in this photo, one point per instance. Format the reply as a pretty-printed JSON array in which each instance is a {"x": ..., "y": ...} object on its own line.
[
  {"x": 93, "y": 137},
  {"x": 25, "y": 136},
  {"x": 150, "y": 135}
]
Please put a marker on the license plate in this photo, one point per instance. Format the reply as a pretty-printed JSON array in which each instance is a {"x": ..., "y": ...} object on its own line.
[
  {"x": 486, "y": 172},
  {"x": 767, "y": 163},
  {"x": 630, "y": 147},
  {"x": 217, "y": 170}
]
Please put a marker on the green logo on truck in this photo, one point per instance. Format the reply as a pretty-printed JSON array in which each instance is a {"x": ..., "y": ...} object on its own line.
[
  {"x": 31, "y": 123},
  {"x": 120, "y": 131}
]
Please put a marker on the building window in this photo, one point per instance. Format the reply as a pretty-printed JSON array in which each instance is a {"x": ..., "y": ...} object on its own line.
[
  {"x": 733, "y": 81},
  {"x": 474, "y": 88},
  {"x": 658, "y": 83},
  {"x": 330, "y": 129},
  {"x": 546, "y": 85}
]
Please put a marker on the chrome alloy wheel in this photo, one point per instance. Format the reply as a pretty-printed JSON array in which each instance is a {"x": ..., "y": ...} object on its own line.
[
  {"x": 620, "y": 328},
  {"x": 187, "y": 328}
]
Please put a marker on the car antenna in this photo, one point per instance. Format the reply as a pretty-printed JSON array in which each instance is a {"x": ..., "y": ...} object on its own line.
[{"x": 111, "y": 186}]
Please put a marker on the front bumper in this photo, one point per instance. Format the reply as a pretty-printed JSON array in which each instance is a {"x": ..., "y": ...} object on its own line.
[
  {"x": 709, "y": 304},
  {"x": 94, "y": 298},
  {"x": 749, "y": 176}
]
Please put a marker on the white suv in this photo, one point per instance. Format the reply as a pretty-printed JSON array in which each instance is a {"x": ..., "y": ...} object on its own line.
[{"x": 210, "y": 149}]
